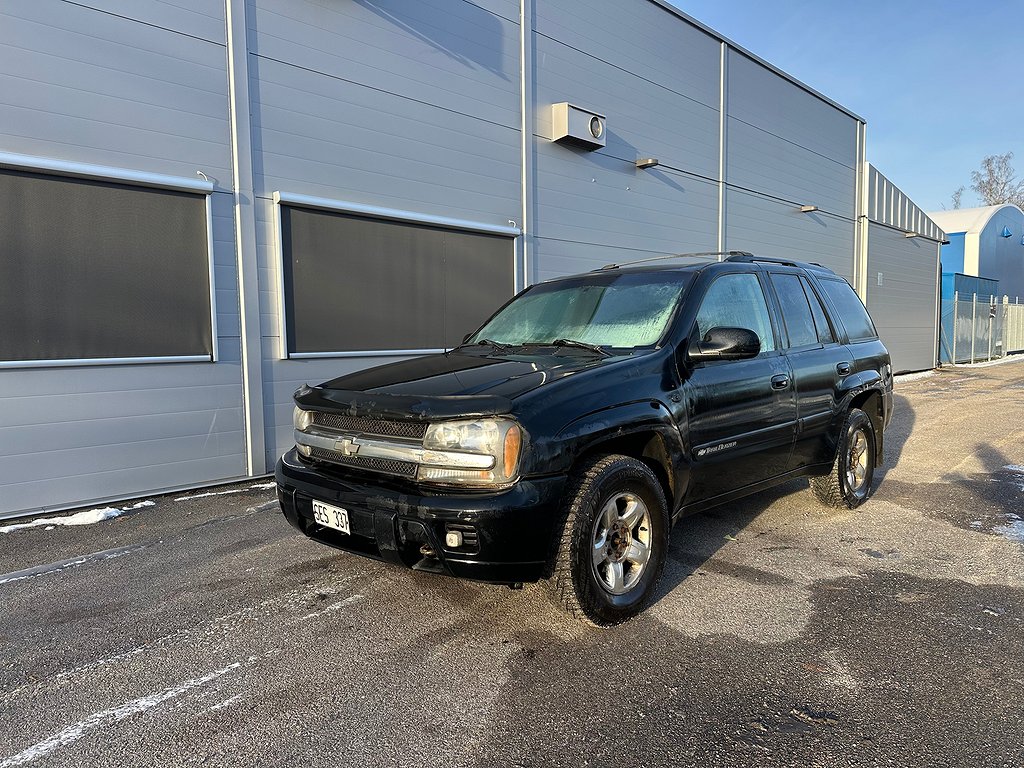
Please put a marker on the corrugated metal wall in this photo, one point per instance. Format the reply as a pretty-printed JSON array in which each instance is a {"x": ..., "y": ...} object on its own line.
[
  {"x": 902, "y": 275},
  {"x": 414, "y": 107},
  {"x": 140, "y": 87}
]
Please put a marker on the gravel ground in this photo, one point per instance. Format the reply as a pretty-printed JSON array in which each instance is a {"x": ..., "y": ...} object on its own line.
[{"x": 202, "y": 630}]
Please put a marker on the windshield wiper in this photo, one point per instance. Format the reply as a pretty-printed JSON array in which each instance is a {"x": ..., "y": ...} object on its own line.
[
  {"x": 581, "y": 345},
  {"x": 497, "y": 346}
]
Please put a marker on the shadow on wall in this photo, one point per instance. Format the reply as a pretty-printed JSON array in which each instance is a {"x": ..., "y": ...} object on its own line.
[{"x": 484, "y": 49}]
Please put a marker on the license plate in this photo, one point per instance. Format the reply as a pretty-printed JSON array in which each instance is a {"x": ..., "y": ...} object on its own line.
[{"x": 331, "y": 517}]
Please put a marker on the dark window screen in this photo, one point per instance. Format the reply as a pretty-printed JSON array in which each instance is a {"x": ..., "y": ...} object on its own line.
[
  {"x": 825, "y": 335},
  {"x": 93, "y": 269},
  {"x": 796, "y": 312},
  {"x": 360, "y": 284},
  {"x": 851, "y": 311}
]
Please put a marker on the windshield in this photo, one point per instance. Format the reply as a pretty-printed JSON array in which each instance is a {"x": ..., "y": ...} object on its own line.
[{"x": 619, "y": 310}]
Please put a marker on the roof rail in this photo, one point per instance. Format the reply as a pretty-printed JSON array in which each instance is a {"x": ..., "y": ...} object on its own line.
[
  {"x": 731, "y": 254},
  {"x": 750, "y": 258}
]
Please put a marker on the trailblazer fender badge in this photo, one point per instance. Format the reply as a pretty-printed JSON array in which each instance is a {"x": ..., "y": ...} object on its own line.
[{"x": 715, "y": 449}]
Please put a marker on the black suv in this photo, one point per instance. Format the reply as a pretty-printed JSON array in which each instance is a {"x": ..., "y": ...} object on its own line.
[{"x": 564, "y": 437}]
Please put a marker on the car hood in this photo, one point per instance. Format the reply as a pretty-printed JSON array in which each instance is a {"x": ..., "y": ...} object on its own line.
[{"x": 446, "y": 386}]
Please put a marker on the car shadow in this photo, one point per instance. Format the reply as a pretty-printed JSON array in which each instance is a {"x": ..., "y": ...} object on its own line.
[
  {"x": 896, "y": 436},
  {"x": 697, "y": 539}
]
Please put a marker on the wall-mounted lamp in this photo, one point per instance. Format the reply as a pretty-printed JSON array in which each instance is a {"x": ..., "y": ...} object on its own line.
[
  {"x": 808, "y": 208},
  {"x": 647, "y": 162},
  {"x": 910, "y": 234},
  {"x": 943, "y": 242}
]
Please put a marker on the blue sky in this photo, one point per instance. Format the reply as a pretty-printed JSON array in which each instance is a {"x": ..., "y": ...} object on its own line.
[{"x": 941, "y": 84}]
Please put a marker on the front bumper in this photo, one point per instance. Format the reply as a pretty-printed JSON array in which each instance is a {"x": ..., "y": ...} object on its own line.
[{"x": 508, "y": 535}]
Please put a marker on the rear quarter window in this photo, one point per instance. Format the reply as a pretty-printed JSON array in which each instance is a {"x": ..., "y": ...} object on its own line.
[{"x": 850, "y": 309}]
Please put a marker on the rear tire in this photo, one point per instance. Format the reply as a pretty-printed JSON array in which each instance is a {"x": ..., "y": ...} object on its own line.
[
  {"x": 613, "y": 544},
  {"x": 848, "y": 483}
]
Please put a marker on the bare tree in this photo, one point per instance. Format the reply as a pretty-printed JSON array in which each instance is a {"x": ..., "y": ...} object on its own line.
[
  {"x": 957, "y": 196},
  {"x": 996, "y": 183}
]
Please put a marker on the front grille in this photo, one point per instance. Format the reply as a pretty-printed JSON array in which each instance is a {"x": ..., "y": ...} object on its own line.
[
  {"x": 388, "y": 466},
  {"x": 414, "y": 430}
]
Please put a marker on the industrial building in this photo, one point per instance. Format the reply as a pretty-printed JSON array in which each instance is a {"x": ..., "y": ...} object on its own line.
[
  {"x": 207, "y": 204},
  {"x": 986, "y": 242}
]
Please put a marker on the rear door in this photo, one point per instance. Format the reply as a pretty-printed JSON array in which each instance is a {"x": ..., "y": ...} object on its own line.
[
  {"x": 817, "y": 361},
  {"x": 741, "y": 414}
]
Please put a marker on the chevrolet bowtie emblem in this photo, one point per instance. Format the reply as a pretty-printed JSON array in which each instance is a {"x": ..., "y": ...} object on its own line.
[{"x": 347, "y": 446}]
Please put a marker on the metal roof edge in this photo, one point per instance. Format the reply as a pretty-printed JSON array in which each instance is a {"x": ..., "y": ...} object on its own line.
[{"x": 751, "y": 55}]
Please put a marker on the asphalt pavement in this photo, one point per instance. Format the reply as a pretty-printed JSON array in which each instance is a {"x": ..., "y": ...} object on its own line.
[{"x": 203, "y": 630}]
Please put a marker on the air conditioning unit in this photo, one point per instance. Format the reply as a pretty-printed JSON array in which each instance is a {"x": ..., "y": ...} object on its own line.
[{"x": 574, "y": 125}]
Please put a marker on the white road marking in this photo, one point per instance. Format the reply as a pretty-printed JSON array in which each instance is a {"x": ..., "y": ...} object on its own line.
[
  {"x": 77, "y": 730},
  {"x": 63, "y": 565},
  {"x": 226, "y": 703},
  {"x": 350, "y": 600}
]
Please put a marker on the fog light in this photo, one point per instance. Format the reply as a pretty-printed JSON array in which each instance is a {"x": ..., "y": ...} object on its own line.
[{"x": 453, "y": 539}]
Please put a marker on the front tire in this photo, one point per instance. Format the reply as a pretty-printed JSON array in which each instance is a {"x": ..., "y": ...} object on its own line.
[
  {"x": 848, "y": 483},
  {"x": 613, "y": 545}
]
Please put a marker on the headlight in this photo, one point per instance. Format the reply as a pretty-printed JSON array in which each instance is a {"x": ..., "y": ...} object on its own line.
[
  {"x": 500, "y": 441},
  {"x": 302, "y": 419}
]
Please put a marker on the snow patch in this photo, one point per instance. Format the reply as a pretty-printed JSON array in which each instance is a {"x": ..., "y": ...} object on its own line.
[
  {"x": 86, "y": 517},
  {"x": 1013, "y": 530},
  {"x": 256, "y": 487},
  {"x": 1015, "y": 468},
  {"x": 905, "y": 377},
  {"x": 1001, "y": 361}
]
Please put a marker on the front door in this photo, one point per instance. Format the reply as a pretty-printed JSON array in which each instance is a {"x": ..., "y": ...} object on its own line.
[{"x": 740, "y": 414}]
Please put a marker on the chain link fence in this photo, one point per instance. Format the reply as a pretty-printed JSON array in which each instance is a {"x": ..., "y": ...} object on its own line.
[{"x": 978, "y": 328}]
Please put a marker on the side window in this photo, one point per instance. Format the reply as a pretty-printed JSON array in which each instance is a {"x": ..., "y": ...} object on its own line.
[
  {"x": 737, "y": 301},
  {"x": 796, "y": 312},
  {"x": 825, "y": 335},
  {"x": 851, "y": 310}
]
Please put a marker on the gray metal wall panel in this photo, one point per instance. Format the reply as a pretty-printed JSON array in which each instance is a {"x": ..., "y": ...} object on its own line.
[
  {"x": 640, "y": 38},
  {"x": 606, "y": 201},
  {"x": 325, "y": 137},
  {"x": 134, "y": 88},
  {"x": 198, "y": 18},
  {"x": 507, "y": 9},
  {"x": 559, "y": 257},
  {"x": 768, "y": 227},
  {"x": 762, "y": 161},
  {"x": 100, "y": 432},
  {"x": 888, "y": 205},
  {"x": 904, "y": 305},
  {"x": 447, "y": 53},
  {"x": 761, "y": 98},
  {"x": 129, "y": 94},
  {"x": 645, "y": 118}
]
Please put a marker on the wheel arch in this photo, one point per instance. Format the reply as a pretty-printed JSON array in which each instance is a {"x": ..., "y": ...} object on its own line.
[{"x": 872, "y": 403}]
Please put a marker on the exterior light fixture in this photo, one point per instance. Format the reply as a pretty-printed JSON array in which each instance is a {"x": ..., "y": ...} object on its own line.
[
  {"x": 910, "y": 234},
  {"x": 647, "y": 162},
  {"x": 808, "y": 208}
]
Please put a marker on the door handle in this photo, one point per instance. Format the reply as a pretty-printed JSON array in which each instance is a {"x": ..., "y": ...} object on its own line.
[
  {"x": 843, "y": 369},
  {"x": 780, "y": 382}
]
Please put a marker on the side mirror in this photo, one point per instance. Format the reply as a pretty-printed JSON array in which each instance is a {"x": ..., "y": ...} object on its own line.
[
  {"x": 466, "y": 337},
  {"x": 725, "y": 344}
]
